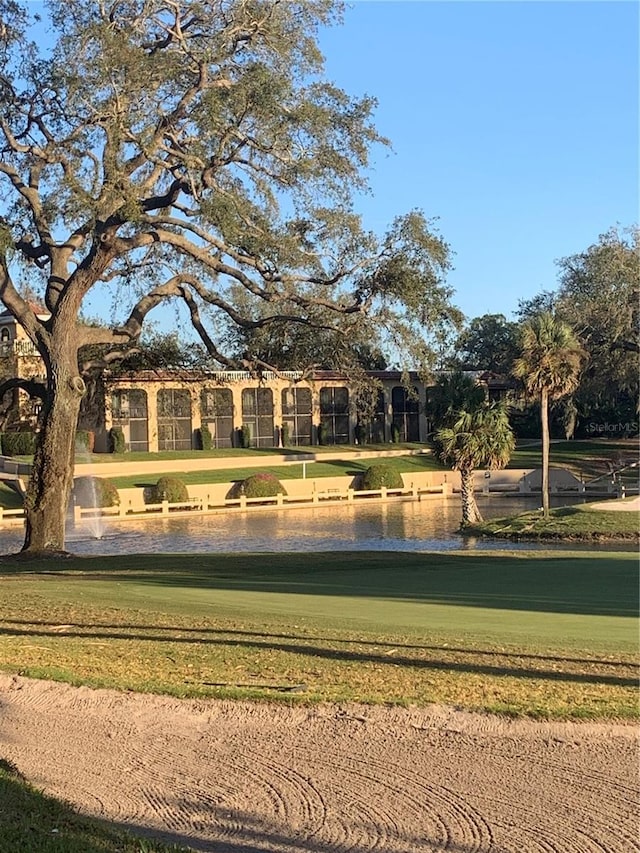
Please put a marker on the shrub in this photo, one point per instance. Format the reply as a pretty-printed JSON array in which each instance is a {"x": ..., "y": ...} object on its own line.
[
  {"x": 170, "y": 489},
  {"x": 244, "y": 436},
  {"x": 395, "y": 434},
  {"x": 262, "y": 485},
  {"x": 360, "y": 433},
  {"x": 284, "y": 435},
  {"x": 85, "y": 440},
  {"x": 323, "y": 434},
  {"x": 116, "y": 440},
  {"x": 94, "y": 492},
  {"x": 377, "y": 476},
  {"x": 18, "y": 443},
  {"x": 205, "y": 440}
]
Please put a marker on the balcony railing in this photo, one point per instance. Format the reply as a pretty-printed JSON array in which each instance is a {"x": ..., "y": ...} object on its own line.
[
  {"x": 244, "y": 375},
  {"x": 9, "y": 348}
]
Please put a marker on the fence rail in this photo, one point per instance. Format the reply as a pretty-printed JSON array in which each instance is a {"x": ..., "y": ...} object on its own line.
[{"x": 127, "y": 510}]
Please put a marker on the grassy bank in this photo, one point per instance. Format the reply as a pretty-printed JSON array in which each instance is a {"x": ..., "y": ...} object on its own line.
[
  {"x": 312, "y": 470},
  {"x": 589, "y": 459},
  {"x": 32, "y": 822},
  {"x": 580, "y": 523},
  {"x": 540, "y": 634}
]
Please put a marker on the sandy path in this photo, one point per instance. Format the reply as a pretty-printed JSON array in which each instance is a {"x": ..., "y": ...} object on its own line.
[
  {"x": 632, "y": 505},
  {"x": 236, "y": 777}
]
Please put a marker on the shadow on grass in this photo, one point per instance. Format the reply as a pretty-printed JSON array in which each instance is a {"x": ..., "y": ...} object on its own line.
[
  {"x": 605, "y": 585},
  {"x": 444, "y": 663},
  {"x": 360, "y": 641}
]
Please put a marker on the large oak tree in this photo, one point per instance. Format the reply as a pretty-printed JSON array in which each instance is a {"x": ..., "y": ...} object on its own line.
[{"x": 157, "y": 150}]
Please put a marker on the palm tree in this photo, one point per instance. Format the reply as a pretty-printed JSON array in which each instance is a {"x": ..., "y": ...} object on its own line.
[
  {"x": 479, "y": 437},
  {"x": 549, "y": 366}
]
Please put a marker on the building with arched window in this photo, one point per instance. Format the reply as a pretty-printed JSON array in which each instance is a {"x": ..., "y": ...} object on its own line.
[
  {"x": 167, "y": 410},
  {"x": 171, "y": 409}
]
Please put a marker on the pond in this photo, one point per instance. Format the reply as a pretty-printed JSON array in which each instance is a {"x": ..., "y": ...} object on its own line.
[{"x": 430, "y": 525}]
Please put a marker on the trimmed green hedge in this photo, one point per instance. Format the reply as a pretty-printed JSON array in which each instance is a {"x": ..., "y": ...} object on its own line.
[
  {"x": 85, "y": 440},
  {"x": 94, "y": 492},
  {"x": 377, "y": 476},
  {"x": 261, "y": 485},
  {"x": 244, "y": 436},
  {"x": 170, "y": 489},
  {"x": 117, "y": 443},
  {"x": 205, "y": 440},
  {"x": 323, "y": 434},
  {"x": 18, "y": 443}
]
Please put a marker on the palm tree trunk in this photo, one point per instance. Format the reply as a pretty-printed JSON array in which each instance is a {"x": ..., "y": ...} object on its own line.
[
  {"x": 544, "y": 419},
  {"x": 470, "y": 512}
]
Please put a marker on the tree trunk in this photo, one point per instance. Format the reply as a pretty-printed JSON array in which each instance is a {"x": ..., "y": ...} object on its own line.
[
  {"x": 47, "y": 500},
  {"x": 544, "y": 419},
  {"x": 470, "y": 512}
]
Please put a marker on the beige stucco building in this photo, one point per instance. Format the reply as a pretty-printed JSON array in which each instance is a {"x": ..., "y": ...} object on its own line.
[
  {"x": 170, "y": 409},
  {"x": 167, "y": 410}
]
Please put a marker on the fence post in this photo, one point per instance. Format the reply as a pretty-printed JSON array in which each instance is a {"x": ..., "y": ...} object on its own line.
[
  {"x": 383, "y": 493},
  {"x": 279, "y": 499},
  {"x": 350, "y": 494},
  {"x": 165, "y": 507},
  {"x": 243, "y": 501}
]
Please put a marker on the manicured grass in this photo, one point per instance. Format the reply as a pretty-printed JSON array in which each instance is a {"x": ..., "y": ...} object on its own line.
[
  {"x": 254, "y": 452},
  {"x": 543, "y": 634},
  {"x": 31, "y": 822},
  {"x": 589, "y": 458},
  {"x": 314, "y": 470},
  {"x": 580, "y": 523}
]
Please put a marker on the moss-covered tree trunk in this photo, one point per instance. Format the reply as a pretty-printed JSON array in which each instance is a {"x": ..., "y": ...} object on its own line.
[
  {"x": 470, "y": 512},
  {"x": 51, "y": 479}
]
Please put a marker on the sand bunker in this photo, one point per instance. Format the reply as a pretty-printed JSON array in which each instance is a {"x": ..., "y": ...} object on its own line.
[
  {"x": 632, "y": 505},
  {"x": 238, "y": 777}
]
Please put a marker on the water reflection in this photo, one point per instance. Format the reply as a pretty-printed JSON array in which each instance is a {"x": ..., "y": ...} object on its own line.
[{"x": 408, "y": 526}]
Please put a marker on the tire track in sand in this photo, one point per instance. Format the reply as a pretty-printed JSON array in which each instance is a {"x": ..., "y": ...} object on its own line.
[{"x": 236, "y": 777}]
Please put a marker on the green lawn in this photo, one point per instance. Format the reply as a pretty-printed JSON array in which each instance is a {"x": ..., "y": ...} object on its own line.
[
  {"x": 253, "y": 452},
  {"x": 313, "y": 470},
  {"x": 589, "y": 458},
  {"x": 584, "y": 458},
  {"x": 544, "y": 634},
  {"x": 579, "y": 522}
]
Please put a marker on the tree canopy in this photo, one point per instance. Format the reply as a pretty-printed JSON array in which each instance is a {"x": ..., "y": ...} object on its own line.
[
  {"x": 192, "y": 150},
  {"x": 489, "y": 342},
  {"x": 159, "y": 150},
  {"x": 599, "y": 295}
]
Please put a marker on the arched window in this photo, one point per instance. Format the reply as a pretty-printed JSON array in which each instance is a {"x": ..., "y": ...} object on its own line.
[
  {"x": 174, "y": 419},
  {"x": 257, "y": 414},
  {"x": 334, "y": 414},
  {"x": 296, "y": 414},
  {"x": 129, "y": 411},
  {"x": 216, "y": 406},
  {"x": 5, "y": 335},
  {"x": 405, "y": 405}
]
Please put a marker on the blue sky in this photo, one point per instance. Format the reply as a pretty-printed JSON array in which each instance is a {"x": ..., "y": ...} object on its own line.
[{"x": 515, "y": 123}]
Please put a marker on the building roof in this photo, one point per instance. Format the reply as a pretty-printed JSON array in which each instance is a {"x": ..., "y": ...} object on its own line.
[{"x": 38, "y": 309}]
